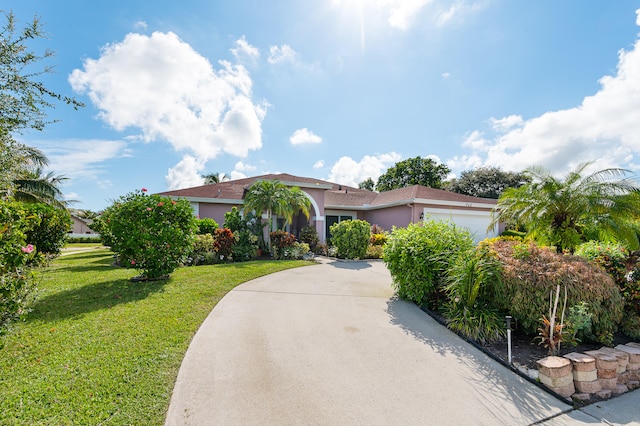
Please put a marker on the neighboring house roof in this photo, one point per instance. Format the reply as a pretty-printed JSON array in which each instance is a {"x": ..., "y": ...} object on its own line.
[
  {"x": 87, "y": 222},
  {"x": 336, "y": 196}
]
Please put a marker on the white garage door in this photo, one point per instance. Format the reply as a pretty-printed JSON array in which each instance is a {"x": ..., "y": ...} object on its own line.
[{"x": 475, "y": 221}]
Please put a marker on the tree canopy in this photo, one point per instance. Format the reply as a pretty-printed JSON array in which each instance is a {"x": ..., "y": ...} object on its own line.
[
  {"x": 414, "y": 171},
  {"x": 486, "y": 182},
  {"x": 565, "y": 212},
  {"x": 23, "y": 98},
  {"x": 367, "y": 184},
  {"x": 24, "y": 101}
]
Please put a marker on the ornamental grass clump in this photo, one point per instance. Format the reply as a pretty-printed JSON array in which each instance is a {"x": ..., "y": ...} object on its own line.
[
  {"x": 150, "y": 232},
  {"x": 528, "y": 280}
]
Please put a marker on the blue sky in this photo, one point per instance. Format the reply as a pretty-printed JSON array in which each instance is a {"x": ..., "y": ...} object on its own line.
[{"x": 333, "y": 89}]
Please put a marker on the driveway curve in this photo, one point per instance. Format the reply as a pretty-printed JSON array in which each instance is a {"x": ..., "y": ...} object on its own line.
[{"x": 329, "y": 344}]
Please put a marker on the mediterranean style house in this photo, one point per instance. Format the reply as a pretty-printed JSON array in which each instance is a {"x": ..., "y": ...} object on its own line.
[{"x": 332, "y": 203}]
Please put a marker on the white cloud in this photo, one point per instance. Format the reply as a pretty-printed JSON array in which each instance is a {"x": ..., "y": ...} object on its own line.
[
  {"x": 169, "y": 92},
  {"x": 185, "y": 174},
  {"x": 304, "y": 136},
  {"x": 318, "y": 164},
  {"x": 349, "y": 172},
  {"x": 244, "y": 50},
  {"x": 403, "y": 14},
  {"x": 605, "y": 127},
  {"x": 278, "y": 54},
  {"x": 140, "y": 25},
  {"x": 81, "y": 159},
  {"x": 446, "y": 75},
  {"x": 638, "y": 17},
  {"x": 506, "y": 123}
]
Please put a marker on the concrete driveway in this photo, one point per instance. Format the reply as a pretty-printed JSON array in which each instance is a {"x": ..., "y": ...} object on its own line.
[{"x": 329, "y": 344}]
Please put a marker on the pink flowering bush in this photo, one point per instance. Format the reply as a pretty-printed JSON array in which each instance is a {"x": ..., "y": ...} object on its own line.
[
  {"x": 17, "y": 257},
  {"x": 149, "y": 232}
]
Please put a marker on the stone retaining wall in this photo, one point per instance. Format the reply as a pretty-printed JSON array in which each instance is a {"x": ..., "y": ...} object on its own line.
[{"x": 594, "y": 374}]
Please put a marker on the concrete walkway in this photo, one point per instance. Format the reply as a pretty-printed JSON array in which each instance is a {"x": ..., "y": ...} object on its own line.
[{"x": 329, "y": 344}]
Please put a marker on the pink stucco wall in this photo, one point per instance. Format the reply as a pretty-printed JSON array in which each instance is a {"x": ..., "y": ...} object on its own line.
[
  {"x": 215, "y": 211},
  {"x": 399, "y": 216}
]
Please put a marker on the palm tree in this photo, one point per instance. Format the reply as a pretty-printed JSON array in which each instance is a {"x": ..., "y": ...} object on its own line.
[
  {"x": 564, "y": 212},
  {"x": 212, "y": 178},
  {"x": 33, "y": 186},
  {"x": 23, "y": 178},
  {"x": 274, "y": 197},
  {"x": 295, "y": 202}
]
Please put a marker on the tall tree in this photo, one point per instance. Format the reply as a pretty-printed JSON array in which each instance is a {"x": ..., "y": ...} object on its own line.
[
  {"x": 561, "y": 212},
  {"x": 367, "y": 184},
  {"x": 23, "y": 98},
  {"x": 414, "y": 171},
  {"x": 486, "y": 182}
]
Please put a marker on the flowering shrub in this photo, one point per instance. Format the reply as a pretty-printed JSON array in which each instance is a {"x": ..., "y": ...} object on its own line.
[
  {"x": 17, "y": 284},
  {"x": 150, "y": 232}
]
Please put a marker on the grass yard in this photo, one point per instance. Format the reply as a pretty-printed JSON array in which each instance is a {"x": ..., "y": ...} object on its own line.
[{"x": 98, "y": 349}]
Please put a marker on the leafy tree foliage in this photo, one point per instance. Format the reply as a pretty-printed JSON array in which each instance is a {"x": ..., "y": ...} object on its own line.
[
  {"x": 367, "y": 184},
  {"x": 23, "y": 98},
  {"x": 486, "y": 182},
  {"x": 562, "y": 212},
  {"x": 414, "y": 171},
  {"x": 213, "y": 178}
]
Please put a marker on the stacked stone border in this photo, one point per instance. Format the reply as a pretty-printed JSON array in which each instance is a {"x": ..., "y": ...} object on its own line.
[{"x": 592, "y": 375}]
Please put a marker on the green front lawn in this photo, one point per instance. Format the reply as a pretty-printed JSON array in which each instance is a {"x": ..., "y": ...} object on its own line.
[{"x": 99, "y": 349}]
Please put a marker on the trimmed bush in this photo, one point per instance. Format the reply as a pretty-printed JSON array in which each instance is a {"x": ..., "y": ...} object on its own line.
[
  {"x": 150, "y": 232},
  {"x": 206, "y": 225},
  {"x": 351, "y": 238},
  {"x": 419, "y": 255},
  {"x": 528, "y": 281}
]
